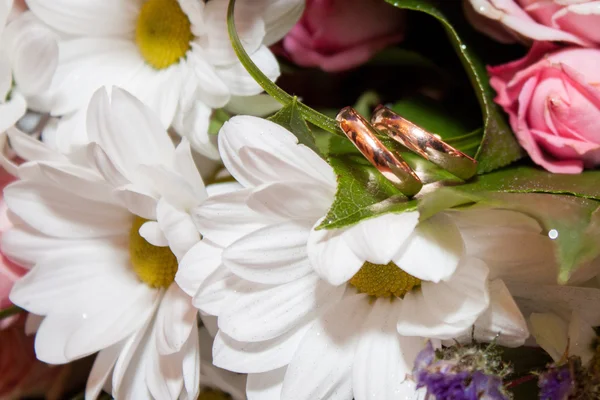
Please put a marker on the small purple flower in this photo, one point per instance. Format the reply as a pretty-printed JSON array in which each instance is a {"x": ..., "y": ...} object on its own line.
[
  {"x": 556, "y": 383},
  {"x": 448, "y": 379}
]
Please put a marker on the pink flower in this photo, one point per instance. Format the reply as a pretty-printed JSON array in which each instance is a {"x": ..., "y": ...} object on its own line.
[
  {"x": 574, "y": 21},
  {"x": 21, "y": 374},
  {"x": 337, "y": 35},
  {"x": 553, "y": 99},
  {"x": 9, "y": 272}
]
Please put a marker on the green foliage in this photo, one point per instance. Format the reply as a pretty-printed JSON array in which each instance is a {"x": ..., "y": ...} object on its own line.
[
  {"x": 289, "y": 117},
  {"x": 498, "y": 147},
  {"x": 362, "y": 193}
]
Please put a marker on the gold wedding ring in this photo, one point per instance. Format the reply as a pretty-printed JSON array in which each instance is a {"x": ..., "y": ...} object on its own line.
[
  {"x": 423, "y": 143},
  {"x": 391, "y": 165}
]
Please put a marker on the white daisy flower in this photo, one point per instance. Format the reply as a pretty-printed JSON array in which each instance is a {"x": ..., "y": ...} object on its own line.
[
  {"x": 103, "y": 246},
  {"x": 330, "y": 314},
  {"x": 174, "y": 55},
  {"x": 28, "y": 56}
]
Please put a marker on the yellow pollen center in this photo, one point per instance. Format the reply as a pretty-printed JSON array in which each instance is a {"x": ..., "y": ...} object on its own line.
[
  {"x": 212, "y": 394},
  {"x": 163, "y": 33},
  {"x": 155, "y": 266},
  {"x": 383, "y": 280}
]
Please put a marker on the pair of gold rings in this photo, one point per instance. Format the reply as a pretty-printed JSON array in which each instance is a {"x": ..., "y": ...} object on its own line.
[{"x": 364, "y": 136}]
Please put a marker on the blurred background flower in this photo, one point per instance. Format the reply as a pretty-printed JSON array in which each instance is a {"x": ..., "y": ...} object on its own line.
[
  {"x": 22, "y": 375},
  {"x": 573, "y": 21},
  {"x": 553, "y": 101},
  {"x": 337, "y": 35}
]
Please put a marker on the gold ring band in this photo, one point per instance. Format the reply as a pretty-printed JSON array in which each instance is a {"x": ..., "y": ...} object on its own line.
[
  {"x": 391, "y": 165},
  {"x": 423, "y": 143}
]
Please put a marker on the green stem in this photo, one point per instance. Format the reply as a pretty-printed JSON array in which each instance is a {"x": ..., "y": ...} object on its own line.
[
  {"x": 10, "y": 311},
  {"x": 315, "y": 117}
]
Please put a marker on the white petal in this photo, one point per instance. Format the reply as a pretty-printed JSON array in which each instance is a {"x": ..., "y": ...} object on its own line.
[
  {"x": 58, "y": 281},
  {"x": 51, "y": 338},
  {"x": 275, "y": 254},
  {"x": 153, "y": 234},
  {"x": 103, "y": 366},
  {"x": 377, "y": 240},
  {"x": 502, "y": 322},
  {"x": 79, "y": 181},
  {"x": 377, "y": 372},
  {"x": 550, "y": 333},
  {"x": 128, "y": 131},
  {"x": 192, "y": 123},
  {"x": 29, "y": 148},
  {"x": 58, "y": 213},
  {"x": 212, "y": 90},
  {"x": 218, "y": 289},
  {"x": 197, "y": 264},
  {"x": 94, "y": 17},
  {"x": 325, "y": 356},
  {"x": 442, "y": 310},
  {"x": 86, "y": 64},
  {"x": 240, "y": 82},
  {"x": 257, "y": 151},
  {"x": 268, "y": 313},
  {"x": 178, "y": 227},
  {"x": 224, "y": 218},
  {"x": 330, "y": 256},
  {"x": 297, "y": 200},
  {"x": 164, "y": 375},
  {"x": 184, "y": 162},
  {"x": 280, "y": 17},
  {"x": 249, "y": 26},
  {"x": 544, "y": 298},
  {"x": 33, "y": 50},
  {"x": 127, "y": 376},
  {"x": 255, "y": 357},
  {"x": 174, "y": 321},
  {"x": 266, "y": 386},
  {"x": 582, "y": 338},
  {"x": 433, "y": 251},
  {"x": 191, "y": 364},
  {"x": 113, "y": 324}
]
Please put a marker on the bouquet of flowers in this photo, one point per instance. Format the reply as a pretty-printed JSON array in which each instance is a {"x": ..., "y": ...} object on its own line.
[{"x": 300, "y": 199}]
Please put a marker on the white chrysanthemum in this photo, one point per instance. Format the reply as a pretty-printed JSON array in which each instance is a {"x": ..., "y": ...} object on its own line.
[
  {"x": 174, "y": 55},
  {"x": 103, "y": 246},
  {"x": 28, "y": 56},
  {"x": 330, "y": 314}
]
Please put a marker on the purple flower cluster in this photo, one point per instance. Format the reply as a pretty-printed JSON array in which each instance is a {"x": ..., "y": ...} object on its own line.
[
  {"x": 556, "y": 383},
  {"x": 448, "y": 380}
]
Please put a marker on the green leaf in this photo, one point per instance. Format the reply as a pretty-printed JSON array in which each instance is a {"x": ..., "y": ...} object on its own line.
[
  {"x": 533, "y": 180},
  {"x": 498, "y": 147},
  {"x": 289, "y": 117},
  {"x": 218, "y": 118},
  {"x": 362, "y": 193},
  {"x": 315, "y": 117}
]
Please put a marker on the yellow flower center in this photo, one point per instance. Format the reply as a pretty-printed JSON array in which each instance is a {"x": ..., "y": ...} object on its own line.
[
  {"x": 163, "y": 33},
  {"x": 155, "y": 266},
  {"x": 380, "y": 280},
  {"x": 212, "y": 394}
]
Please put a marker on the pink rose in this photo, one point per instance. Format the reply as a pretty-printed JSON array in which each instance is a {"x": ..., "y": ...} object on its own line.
[
  {"x": 9, "y": 272},
  {"x": 337, "y": 35},
  {"x": 574, "y": 21},
  {"x": 21, "y": 374},
  {"x": 553, "y": 99}
]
